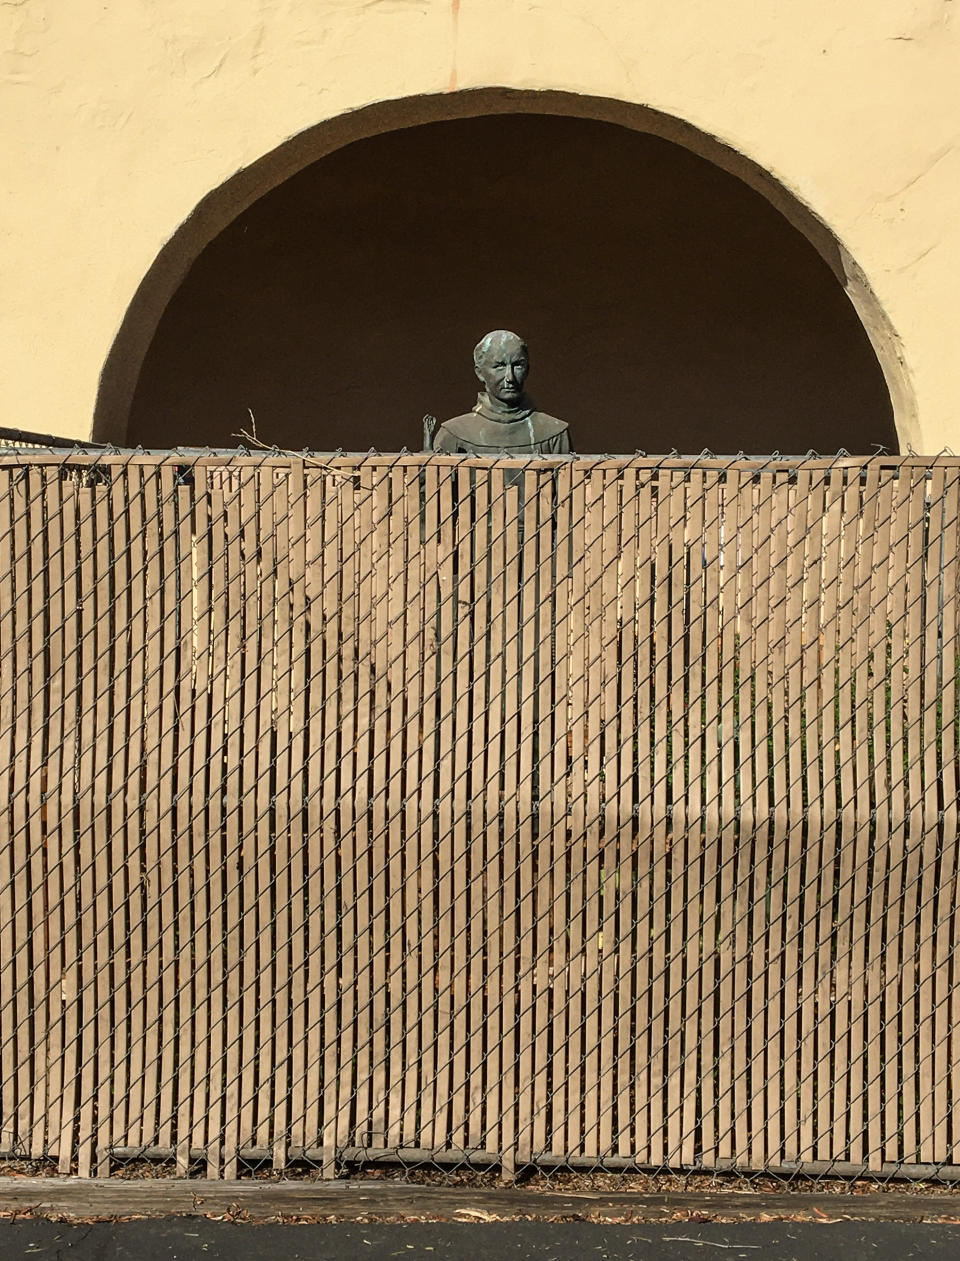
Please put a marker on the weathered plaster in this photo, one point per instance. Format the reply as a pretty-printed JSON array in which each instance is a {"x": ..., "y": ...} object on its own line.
[{"x": 122, "y": 115}]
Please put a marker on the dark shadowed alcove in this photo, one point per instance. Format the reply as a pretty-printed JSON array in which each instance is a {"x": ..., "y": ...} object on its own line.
[{"x": 666, "y": 303}]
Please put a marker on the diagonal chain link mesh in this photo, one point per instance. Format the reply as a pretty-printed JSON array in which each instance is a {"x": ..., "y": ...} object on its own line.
[{"x": 549, "y": 813}]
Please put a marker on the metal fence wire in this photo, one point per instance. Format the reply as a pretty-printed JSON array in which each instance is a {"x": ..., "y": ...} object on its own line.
[{"x": 561, "y": 813}]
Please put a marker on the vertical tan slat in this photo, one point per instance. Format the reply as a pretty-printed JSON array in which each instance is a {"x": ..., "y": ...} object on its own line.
[
  {"x": 510, "y": 833},
  {"x": 276, "y": 522},
  {"x": 38, "y": 834},
  {"x": 932, "y": 699},
  {"x": 396, "y": 668},
  {"x": 569, "y": 1131},
  {"x": 460, "y": 808},
  {"x": 593, "y": 851},
  {"x": 15, "y": 1027},
  {"x": 167, "y": 717},
  {"x": 86, "y": 839},
  {"x": 660, "y": 708},
  {"x": 247, "y": 787},
  {"x": 330, "y": 885},
  {"x": 680, "y": 831},
  {"x": 646, "y": 853},
  {"x": 68, "y": 837},
  {"x": 126, "y": 737},
  {"x": 721, "y": 832},
  {"x": 187, "y": 959},
  {"x": 779, "y": 803},
  {"x": 414, "y": 669},
  {"x": 446, "y": 679},
  {"x": 712, "y": 803},
  {"x": 759, "y": 993},
  {"x": 526, "y": 867},
  {"x": 944, "y": 1030},
  {"x": 201, "y": 844},
  {"x": 897, "y": 618},
  {"x": 796, "y": 525},
  {"x": 847, "y": 819},
  {"x": 131, "y": 1030},
  {"x": 361, "y": 796},
  {"x": 18, "y": 661},
  {"x": 233, "y": 855},
  {"x": 218, "y": 876},
  {"x": 8, "y": 722},
  {"x": 296, "y": 795},
  {"x": 828, "y": 744},
  {"x": 378, "y": 929},
  {"x": 55, "y": 772},
  {"x": 608, "y": 678},
  {"x": 476, "y": 906},
  {"x": 861, "y": 839},
  {"x": 811, "y": 684},
  {"x": 427, "y": 881},
  {"x": 701, "y": 793},
  {"x": 268, "y": 847},
  {"x": 910, "y": 1063},
  {"x": 559, "y": 1069},
  {"x": 545, "y": 909},
  {"x": 738, "y": 1144},
  {"x": 880, "y": 797},
  {"x": 625, "y": 1066}
]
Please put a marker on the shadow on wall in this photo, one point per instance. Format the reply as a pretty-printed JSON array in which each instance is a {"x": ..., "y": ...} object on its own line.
[{"x": 666, "y": 303}]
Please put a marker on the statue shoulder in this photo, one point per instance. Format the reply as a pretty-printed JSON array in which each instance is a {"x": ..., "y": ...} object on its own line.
[{"x": 546, "y": 426}]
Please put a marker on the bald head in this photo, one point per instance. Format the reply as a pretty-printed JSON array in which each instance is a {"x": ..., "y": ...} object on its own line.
[{"x": 502, "y": 362}]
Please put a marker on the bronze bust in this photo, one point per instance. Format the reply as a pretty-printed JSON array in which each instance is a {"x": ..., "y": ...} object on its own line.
[{"x": 504, "y": 421}]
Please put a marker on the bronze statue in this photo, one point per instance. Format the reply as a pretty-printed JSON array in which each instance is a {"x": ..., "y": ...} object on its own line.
[{"x": 504, "y": 421}]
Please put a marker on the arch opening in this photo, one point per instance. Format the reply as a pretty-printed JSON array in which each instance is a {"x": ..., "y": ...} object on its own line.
[{"x": 670, "y": 301}]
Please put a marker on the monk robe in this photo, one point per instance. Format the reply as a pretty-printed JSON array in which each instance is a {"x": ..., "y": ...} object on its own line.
[{"x": 493, "y": 428}]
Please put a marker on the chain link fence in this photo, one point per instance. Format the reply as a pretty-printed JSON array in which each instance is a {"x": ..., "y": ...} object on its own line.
[{"x": 569, "y": 814}]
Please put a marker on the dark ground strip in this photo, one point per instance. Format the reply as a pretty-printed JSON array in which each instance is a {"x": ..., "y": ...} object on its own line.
[{"x": 197, "y": 1239}]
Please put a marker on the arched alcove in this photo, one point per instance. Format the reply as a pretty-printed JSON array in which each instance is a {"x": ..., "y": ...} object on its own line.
[{"x": 668, "y": 303}]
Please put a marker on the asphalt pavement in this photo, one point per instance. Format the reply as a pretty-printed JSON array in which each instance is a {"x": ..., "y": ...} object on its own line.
[{"x": 198, "y": 1239}]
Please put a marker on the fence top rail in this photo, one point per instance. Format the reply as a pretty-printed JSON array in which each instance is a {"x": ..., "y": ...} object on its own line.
[{"x": 344, "y": 462}]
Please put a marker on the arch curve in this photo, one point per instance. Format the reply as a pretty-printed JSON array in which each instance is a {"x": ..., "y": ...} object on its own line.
[{"x": 121, "y": 370}]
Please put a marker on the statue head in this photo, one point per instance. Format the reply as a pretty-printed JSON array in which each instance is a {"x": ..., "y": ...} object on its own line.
[{"x": 501, "y": 362}]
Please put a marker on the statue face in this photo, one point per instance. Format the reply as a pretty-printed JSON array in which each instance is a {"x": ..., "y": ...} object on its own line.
[{"x": 503, "y": 369}]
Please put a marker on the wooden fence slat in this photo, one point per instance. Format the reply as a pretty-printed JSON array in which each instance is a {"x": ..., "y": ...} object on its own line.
[
  {"x": 295, "y": 1105},
  {"x": 608, "y": 679},
  {"x": 43, "y": 1011},
  {"x": 462, "y": 597},
  {"x": 897, "y": 617},
  {"x": 760, "y": 873},
  {"x": 625, "y": 1065},
  {"x": 11, "y": 501},
  {"x": 701, "y": 794},
  {"x": 675, "y": 893},
  {"x": 56, "y": 772},
  {"x": 415, "y": 843},
  {"x": 278, "y": 523},
  {"x": 426, "y": 830},
  {"x": 559, "y": 763},
  {"x": 720, "y": 696},
  {"x": 880, "y": 814},
  {"x": 739, "y": 1051},
  {"x": 866, "y": 513},
  {"x": 928, "y": 1086},
  {"x": 547, "y": 574}
]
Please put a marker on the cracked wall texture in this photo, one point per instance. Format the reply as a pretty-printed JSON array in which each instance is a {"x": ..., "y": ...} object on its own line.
[{"x": 120, "y": 116}]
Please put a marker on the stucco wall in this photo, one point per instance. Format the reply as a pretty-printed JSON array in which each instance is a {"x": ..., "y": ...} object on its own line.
[{"x": 120, "y": 116}]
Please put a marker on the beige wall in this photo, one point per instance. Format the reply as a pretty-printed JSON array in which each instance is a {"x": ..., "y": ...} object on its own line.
[{"x": 120, "y": 116}]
